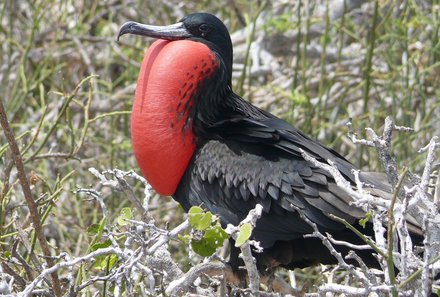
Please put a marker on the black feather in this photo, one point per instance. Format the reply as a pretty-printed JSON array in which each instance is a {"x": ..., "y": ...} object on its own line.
[
  {"x": 244, "y": 191},
  {"x": 273, "y": 191},
  {"x": 286, "y": 188},
  {"x": 294, "y": 179}
]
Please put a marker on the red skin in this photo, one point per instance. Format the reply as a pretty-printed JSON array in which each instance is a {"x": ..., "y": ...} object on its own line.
[{"x": 168, "y": 78}]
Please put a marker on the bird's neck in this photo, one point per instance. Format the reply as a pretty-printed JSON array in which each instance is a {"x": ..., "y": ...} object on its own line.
[{"x": 219, "y": 106}]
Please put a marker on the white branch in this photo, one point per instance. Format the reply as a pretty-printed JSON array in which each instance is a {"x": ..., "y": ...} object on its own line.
[
  {"x": 106, "y": 251},
  {"x": 352, "y": 291},
  {"x": 246, "y": 253},
  {"x": 164, "y": 238},
  {"x": 181, "y": 285}
]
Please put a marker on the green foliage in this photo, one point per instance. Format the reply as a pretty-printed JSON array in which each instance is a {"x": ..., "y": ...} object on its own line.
[
  {"x": 212, "y": 236},
  {"x": 280, "y": 24},
  {"x": 365, "y": 220},
  {"x": 202, "y": 247},
  {"x": 198, "y": 219},
  {"x": 244, "y": 234},
  {"x": 125, "y": 214},
  {"x": 96, "y": 231},
  {"x": 105, "y": 263},
  {"x": 101, "y": 245},
  {"x": 212, "y": 239},
  {"x": 7, "y": 255},
  {"x": 93, "y": 229}
]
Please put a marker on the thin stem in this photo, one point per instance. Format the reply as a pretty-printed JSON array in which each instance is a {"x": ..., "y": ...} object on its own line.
[
  {"x": 240, "y": 83},
  {"x": 370, "y": 54},
  {"x": 33, "y": 208},
  {"x": 416, "y": 274},
  {"x": 358, "y": 233},
  {"x": 60, "y": 115},
  {"x": 390, "y": 234}
]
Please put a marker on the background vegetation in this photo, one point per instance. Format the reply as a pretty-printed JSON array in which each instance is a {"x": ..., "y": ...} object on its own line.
[{"x": 68, "y": 86}]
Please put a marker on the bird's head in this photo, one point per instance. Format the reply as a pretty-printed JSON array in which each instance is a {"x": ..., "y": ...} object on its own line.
[
  {"x": 201, "y": 27},
  {"x": 183, "y": 74}
]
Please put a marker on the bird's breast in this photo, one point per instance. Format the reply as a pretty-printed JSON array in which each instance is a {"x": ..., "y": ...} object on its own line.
[{"x": 161, "y": 128}]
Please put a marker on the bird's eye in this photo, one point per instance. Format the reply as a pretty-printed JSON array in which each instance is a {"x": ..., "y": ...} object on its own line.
[{"x": 204, "y": 29}]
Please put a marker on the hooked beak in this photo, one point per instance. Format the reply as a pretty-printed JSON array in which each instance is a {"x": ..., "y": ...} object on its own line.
[{"x": 172, "y": 32}]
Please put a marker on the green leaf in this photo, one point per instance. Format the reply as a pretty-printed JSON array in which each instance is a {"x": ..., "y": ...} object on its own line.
[
  {"x": 93, "y": 229},
  {"x": 198, "y": 219},
  {"x": 215, "y": 236},
  {"x": 105, "y": 262},
  {"x": 212, "y": 239},
  {"x": 184, "y": 238},
  {"x": 205, "y": 221},
  {"x": 125, "y": 214},
  {"x": 101, "y": 245},
  {"x": 99, "y": 230},
  {"x": 244, "y": 234},
  {"x": 364, "y": 221},
  {"x": 100, "y": 262},
  {"x": 194, "y": 215},
  {"x": 112, "y": 261},
  {"x": 102, "y": 224},
  {"x": 202, "y": 247}
]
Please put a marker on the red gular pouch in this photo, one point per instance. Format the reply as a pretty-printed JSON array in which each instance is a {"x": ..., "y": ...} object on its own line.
[{"x": 162, "y": 136}]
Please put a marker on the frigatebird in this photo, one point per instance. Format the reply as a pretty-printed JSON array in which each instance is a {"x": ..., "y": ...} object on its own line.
[{"x": 204, "y": 145}]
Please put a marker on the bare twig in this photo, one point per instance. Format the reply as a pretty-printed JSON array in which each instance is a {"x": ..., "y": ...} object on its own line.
[
  {"x": 431, "y": 148},
  {"x": 390, "y": 233},
  {"x": 181, "y": 285},
  {"x": 360, "y": 199},
  {"x": 165, "y": 238},
  {"x": 121, "y": 184},
  {"x": 415, "y": 203},
  {"x": 246, "y": 254},
  {"x": 53, "y": 269},
  {"x": 326, "y": 242},
  {"x": 352, "y": 291}
]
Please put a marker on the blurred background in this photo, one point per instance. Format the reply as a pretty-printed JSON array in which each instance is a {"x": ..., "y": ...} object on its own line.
[{"x": 68, "y": 87}]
